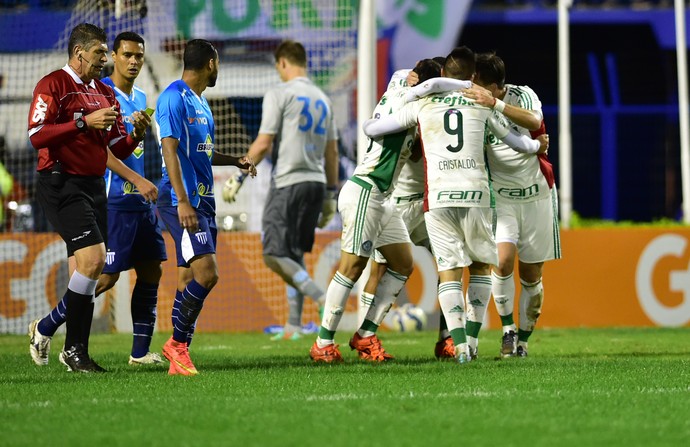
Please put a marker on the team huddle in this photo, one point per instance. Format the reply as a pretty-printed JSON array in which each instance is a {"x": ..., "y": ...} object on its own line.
[
  {"x": 461, "y": 152},
  {"x": 456, "y": 162}
]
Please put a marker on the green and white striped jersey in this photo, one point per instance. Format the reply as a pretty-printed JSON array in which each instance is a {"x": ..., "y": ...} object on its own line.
[
  {"x": 385, "y": 156},
  {"x": 517, "y": 176},
  {"x": 453, "y": 130}
]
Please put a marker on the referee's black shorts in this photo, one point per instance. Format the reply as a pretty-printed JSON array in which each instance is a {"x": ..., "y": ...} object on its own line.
[
  {"x": 290, "y": 217},
  {"x": 77, "y": 209}
]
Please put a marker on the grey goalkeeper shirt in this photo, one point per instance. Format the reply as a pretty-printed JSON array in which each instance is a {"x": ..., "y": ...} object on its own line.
[{"x": 300, "y": 116}]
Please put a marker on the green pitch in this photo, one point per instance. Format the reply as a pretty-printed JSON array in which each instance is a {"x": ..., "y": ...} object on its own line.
[{"x": 617, "y": 387}]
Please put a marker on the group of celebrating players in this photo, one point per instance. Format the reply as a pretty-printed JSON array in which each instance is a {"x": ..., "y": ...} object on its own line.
[{"x": 474, "y": 187}]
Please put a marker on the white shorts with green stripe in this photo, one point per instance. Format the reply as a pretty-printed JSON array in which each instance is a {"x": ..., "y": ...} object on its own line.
[
  {"x": 461, "y": 236},
  {"x": 532, "y": 227},
  {"x": 411, "y": 210},
  {"x": 369, "y": 219}
]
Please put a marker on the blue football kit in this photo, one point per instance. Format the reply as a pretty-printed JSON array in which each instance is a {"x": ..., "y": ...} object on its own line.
[
  {"x": 185, "y": 116},
  {"x": 133, "y": 230}
]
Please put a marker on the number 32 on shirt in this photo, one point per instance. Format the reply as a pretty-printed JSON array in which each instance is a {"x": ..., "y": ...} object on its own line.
[{"x": 320, "y": 109}]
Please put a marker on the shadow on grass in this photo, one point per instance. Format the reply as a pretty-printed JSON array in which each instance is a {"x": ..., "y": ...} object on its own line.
[
  {"x": 630, "y": 354},
  {"x": 353, "y": 364}
]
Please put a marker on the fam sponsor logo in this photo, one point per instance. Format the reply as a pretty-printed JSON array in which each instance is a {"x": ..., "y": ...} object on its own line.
[
  {"x": 654, "y": 261},
  {"x": 519, "y": 193},
  {"x": 462, "y": 195}
]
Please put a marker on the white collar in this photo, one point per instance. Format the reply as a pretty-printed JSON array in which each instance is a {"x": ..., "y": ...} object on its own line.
[{"x": 70, "y": 71}]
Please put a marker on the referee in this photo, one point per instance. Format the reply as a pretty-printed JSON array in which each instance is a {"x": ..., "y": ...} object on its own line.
[{"x": 74, "y": 119}]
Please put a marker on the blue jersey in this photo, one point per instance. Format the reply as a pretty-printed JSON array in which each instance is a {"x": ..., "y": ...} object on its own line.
[
  {"x": 186, "y": 116},
  {"x": 123, "y": 195}
]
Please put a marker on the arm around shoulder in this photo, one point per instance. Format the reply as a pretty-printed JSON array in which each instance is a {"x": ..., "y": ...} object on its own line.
[{"x": 529, "y": 119}]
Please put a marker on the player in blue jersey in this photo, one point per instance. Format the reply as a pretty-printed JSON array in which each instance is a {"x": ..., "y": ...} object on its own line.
[
  {"x": 134, "y": 237},
  {"x": 186, "y": 202}
]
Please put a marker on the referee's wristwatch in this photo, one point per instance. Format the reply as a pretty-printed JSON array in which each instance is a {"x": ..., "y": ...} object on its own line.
[{"x": 81, "y": 124}]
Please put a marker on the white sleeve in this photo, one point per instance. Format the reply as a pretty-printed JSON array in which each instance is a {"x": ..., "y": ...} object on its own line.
[
  {"x": 403, "y": 119},
  {"x": 399, "y": 79},
  {"x": 435, "y": 85},
  {"x": 400, "y": 74},
  {"x": 519, "y": 143}
]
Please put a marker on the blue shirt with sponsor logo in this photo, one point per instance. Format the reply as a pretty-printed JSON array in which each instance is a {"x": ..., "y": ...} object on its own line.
[
  {"x": 123, "y": 195},
  {"x": 186, "y": 116}
]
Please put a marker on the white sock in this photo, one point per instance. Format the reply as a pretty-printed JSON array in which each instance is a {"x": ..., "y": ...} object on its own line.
[
  {"x": 387, "y": 291},
  {"x": 478, "y": 296},
  {"x": 531, "y": 301},
  {"x": 336, "y": 297},
  {"x": 503, "y": 289},
  {"x": 366, "y": 300},
  {"x": 462, "y": 347},
  {"x": 453, "y": 307}
]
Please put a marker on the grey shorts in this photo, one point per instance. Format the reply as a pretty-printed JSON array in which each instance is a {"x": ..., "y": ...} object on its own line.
[{"x": 290, "y": 218}]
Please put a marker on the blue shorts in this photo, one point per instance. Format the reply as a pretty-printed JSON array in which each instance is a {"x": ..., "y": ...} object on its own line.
[
  {"x": 132, "y": 236},
  {"x": 189, "y": 245}
]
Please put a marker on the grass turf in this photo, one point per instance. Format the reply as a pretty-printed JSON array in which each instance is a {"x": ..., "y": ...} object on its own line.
[{"x": 582, "y": 387}]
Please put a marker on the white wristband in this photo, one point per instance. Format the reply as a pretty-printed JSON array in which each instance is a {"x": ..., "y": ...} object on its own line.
[{"x": 499, "y": 105}]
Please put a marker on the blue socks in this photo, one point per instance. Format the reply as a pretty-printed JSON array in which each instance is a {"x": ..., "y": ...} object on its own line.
[
  {"x": 186, "y": 310},
  {"x": 144, "y": 300},
  {"x": 175, "y": 311},
  {"x": 56, "y": 318}
]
